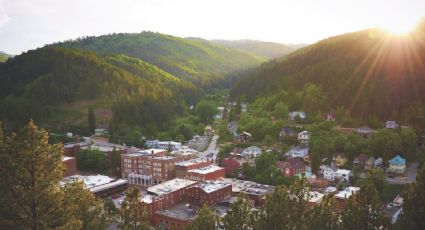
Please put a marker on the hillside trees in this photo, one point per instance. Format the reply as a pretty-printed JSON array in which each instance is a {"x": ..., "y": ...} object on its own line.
[{"x": 91, "y": 120}]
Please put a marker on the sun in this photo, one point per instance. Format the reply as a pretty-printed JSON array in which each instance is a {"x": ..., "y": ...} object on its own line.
[{"x": 401, "y": 26}]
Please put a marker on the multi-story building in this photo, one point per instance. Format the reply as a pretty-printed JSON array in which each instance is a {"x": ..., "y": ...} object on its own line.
[
  {"x": 148, "y": 167},
  {"x": 254, "y": 191},
  {"x": 181, "y": 168},
  {"x": 210, "y": 172},
  {"x": 173, "y": 204},
  {"x": 198, "y": 169},
  {"x": 208, "y": 192}
]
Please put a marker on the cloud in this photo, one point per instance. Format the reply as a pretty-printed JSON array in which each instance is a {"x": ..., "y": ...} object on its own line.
[{"x": 4, "y": 18}]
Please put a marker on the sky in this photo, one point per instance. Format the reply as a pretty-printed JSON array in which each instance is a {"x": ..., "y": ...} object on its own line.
[{"x": 29, "y": 24}]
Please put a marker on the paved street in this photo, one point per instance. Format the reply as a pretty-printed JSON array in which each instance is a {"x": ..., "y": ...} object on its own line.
[
  {"x": 411, "y": 175},
  {"x": 212, "y": 148}
]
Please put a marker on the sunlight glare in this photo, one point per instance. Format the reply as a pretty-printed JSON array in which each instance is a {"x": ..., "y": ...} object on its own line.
[{"x": 400, "y": 26}]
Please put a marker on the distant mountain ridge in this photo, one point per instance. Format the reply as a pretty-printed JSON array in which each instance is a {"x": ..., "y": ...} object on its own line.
[
  {"x": 268, "y": 50},
  {"x": 199, "y": 61},
  {"x": 369, "y": 73}
]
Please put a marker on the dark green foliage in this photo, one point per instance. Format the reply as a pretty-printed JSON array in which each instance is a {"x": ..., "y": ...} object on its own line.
[
  {"x": 414, "y": 204},
  {"x": 199, "y": 61},
  {"x": 370, "y": 73},
  {"x": 238, "y": 216},
  {"x": 363, "y": 210},
  {"x": 30, "y": 171},
  {"x": 50, "y": 85},
  {"x": 92, "y": 160},
  {"x": 133, "y": 213},
  {"x": 91, "y": 120},
  {"x": 206, "y": 219},
  {"x": 206, "y": 111}
]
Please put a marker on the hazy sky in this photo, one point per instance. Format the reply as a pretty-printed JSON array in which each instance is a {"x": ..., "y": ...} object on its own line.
[{"x": 28, "y": 24}]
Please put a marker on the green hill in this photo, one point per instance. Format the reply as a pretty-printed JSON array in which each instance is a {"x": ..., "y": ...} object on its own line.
[
  {"x": 3, "y": 56},
  {"x": 55, "y": 86},
  {"x": 267, "y": 50},
  {"x": 201, "y": 62},
  {"x": 369, "y": 73}
]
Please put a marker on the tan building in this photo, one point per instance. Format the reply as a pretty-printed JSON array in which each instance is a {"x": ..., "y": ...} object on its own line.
[{"x": 148, "y": 167}]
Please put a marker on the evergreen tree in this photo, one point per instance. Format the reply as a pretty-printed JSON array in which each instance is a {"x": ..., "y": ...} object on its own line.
[
  {"x": 30, "y": 171},
  {"x": 322, "y": 216},
  {"x": 81, "y": 205},
  {"x": 133, "y": 213},
  {"x": 205, "y": 220},
  {"x": 91, "y": 120},
  {"x": 413, "y": 216},
  {"x": 238, "y": 216},
  {"x": 285, "y": 208},
  {"x": 362, "y": 211}
]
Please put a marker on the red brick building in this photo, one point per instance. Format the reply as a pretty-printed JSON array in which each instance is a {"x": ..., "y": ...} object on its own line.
[
  {"x": 254, "y": 191},
  {"x": 291, "y": 167},
  {"x": 173, "y": 203},
  {"x": 70, "y": 164},
  {"x": 148, "y": 167},
  {"x": 211, "y": 172},
  {"x": 231, "y": 165},
  {"x": 181, "y": 168},
  {"x": 209, "y": 192}
]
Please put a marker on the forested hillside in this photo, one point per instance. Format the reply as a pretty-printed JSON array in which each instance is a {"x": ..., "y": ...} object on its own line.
[
  {"x": 267, "y": 50},
  {"x": 55, "y": 86},
  {"x": 200, "y": 61},
  {"x": 366, "y": 73},
  {"x": 3, "y": 56}
]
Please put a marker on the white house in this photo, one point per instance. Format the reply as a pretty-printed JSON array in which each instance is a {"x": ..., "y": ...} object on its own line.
[
  {"x": 252, "y": 151},
  {"x": 165, "y": 145},
  {"x": 303, "y": 137},
  {"x": 292, "y": 115},
  {"x": 100, "y": 132},
  {"x": 391, "y": 125},
  {"x": 297, "y": 152},
  {"x": 333, "y": 173}
]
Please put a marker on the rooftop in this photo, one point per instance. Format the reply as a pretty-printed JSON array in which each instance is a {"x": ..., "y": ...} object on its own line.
[
  {"x": 191, "y": 162},
  {"x": 315, "y": 197},
  {"x": 398, "y": 160},
  {"x": 205, "y": 170},
  {"x": 212, "y": 186},
  {"x": 170, "y": 186},
  {"x": 67, "y": 158},
  {"x": 145, "y": 152},
  {"x": 95, "y": 183},
  {"x": 343, "y": 171},
  {"x": 248, "y": 187},
  {"x": 347, "y": 192},
  {"x": 180, "y": 211}
]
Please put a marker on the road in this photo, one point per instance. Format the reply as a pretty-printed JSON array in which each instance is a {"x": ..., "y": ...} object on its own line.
[
  {"x": 212, "y": 148},
  {"x": 412, "y": 170}
]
